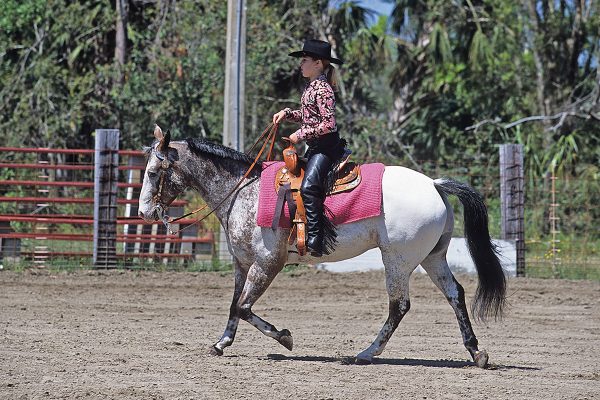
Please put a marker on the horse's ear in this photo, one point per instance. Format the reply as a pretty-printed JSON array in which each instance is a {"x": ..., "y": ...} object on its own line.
[
  {"x": 164, "y": 142},
  {"x": 158, "y": 133}
]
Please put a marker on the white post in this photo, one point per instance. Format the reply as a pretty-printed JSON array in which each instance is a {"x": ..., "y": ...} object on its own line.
[
  {"x": 235, "y": 69},
  {"x": 234, "y": 104}
]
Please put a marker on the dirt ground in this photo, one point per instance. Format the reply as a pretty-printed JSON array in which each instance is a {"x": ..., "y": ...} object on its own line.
[{"x": 121, "y": 335}]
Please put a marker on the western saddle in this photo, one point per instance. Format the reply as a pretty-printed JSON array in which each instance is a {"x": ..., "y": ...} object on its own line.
[{"x": 288, "y": 180}]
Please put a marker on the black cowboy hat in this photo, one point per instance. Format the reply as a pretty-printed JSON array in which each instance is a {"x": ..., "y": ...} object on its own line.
[{"x": 317, "y": 49}]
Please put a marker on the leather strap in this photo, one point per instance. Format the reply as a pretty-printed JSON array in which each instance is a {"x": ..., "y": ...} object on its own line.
[
  {"x": 281, "y": 197},
  {"x": 272, "y": 133},
  {"x": 291, "y": 205}
]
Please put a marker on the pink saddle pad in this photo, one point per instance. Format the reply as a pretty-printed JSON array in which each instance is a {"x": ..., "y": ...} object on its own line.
[{"x": 362, "y": 202}]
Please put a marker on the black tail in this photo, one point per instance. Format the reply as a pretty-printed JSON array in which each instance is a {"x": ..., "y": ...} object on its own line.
[{"x": 491, "y": 291}]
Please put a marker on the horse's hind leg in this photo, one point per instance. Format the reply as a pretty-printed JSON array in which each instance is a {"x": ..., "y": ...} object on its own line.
[
  {"x": 397, "y": 278},
  {"x": 232, "y": 324},
  {"x": 437, "y": 268}
]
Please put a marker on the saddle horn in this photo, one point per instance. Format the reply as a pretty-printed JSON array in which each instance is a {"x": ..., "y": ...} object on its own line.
[{"x": 290, "y": 157}]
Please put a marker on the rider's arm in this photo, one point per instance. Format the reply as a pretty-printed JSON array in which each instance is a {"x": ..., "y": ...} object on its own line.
[
  {"x": 325, "y": 103},
  {"x": 293, "y": 115}
]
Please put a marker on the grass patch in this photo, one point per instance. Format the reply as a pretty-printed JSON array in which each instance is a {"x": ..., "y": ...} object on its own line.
[
  {"x": 296, "y": 269},
  {"x": 565, "y": 270},
  {"x": 157, "y": 265},
  {"x": 575, "y": 258}
]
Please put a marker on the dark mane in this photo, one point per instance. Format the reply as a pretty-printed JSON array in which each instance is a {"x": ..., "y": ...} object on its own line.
[{"x": 204, "y": 147}]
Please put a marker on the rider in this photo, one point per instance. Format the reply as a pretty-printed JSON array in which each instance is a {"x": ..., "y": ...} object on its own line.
[{"x": 318, "y": 128}]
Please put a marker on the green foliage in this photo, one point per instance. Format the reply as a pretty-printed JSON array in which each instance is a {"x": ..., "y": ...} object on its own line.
[
  {"x": 17, "y": 16},
  {"x": 47, "y": 70}
]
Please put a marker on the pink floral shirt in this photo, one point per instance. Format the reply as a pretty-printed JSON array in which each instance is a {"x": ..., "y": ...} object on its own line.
[{"x": 317, "y": 110}]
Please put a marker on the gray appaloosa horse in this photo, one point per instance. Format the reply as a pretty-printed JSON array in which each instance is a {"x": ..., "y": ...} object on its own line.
[{"x": 415, "y": 227}]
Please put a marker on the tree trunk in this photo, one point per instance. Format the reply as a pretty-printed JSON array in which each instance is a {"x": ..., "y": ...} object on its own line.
[
  {"x": 539, "y": 65},
  {"x": 121, "y": 39}
]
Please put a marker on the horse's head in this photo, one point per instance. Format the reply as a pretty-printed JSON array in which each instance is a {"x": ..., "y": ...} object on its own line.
[{"x": 163, "y": 181}]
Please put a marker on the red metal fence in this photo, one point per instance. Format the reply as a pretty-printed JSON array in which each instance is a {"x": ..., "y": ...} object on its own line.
[
  {"x": 47, "y": 214},
  {"x": 47, "y": 202}
]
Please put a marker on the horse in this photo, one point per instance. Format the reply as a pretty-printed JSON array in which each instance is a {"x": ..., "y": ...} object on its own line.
[{"x": 414, "y": 228}]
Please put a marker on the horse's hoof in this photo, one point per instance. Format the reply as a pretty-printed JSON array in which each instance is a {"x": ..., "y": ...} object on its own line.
[
  {"x": 363, "y": 359},
  {"x": 285, "y": 338},
  {"x": 214, "y": 351},
  {"x": 481, "y": 358}
]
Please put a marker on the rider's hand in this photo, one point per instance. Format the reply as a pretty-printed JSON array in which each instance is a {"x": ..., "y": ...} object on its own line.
[
  {"x": 280, "y": 116},
  {"x": 294, "y": 138}
]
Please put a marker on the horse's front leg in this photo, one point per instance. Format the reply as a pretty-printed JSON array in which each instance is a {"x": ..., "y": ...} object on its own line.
[
  {"x": 258, "y": 280},
  {"x": 232, "y": 324}
]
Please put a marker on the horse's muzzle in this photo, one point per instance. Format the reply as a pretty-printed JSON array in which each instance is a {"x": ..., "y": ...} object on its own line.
[{"x": 155, "y": 214}]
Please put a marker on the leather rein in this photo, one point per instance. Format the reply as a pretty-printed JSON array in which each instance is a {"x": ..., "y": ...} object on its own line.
[{"x": 268, "y": 135}]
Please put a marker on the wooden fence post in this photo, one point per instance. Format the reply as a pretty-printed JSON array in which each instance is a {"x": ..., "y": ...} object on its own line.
[
  {"x": 513, "y": 199},
  {"x": 106, "y": 169}
]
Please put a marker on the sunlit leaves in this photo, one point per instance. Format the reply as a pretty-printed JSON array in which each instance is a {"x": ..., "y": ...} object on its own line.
[
  {"x": 480, "y": 51},
  {"x": 439, "y": 47}
]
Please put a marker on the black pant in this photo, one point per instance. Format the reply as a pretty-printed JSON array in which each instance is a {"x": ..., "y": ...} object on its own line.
[
  {"x": 313, "y": 196},
  {"x": 327, "y": 144}
]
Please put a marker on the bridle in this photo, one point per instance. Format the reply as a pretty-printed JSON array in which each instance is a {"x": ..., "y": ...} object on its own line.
[
  {"x": 159, "y": 207},
  {"x": 268, "y": 135}
]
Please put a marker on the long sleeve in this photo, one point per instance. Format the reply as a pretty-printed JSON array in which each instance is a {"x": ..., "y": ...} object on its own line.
[
  {"x": 325, "y": 107},
  {"x": 293, "y": 115}
]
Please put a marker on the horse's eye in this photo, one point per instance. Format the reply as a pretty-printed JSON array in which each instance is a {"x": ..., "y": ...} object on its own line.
[{"x": 152, "y": 174}]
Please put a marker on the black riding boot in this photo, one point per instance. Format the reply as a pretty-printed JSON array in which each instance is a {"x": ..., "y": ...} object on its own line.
[{"x": 313, "y": 195}]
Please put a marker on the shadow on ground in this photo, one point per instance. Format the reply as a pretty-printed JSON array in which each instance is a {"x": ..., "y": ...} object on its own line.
[{"x": 395, "y": 361}]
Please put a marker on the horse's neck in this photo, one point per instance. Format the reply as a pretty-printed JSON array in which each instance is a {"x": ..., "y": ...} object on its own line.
[{"x": 214, "y": 181}]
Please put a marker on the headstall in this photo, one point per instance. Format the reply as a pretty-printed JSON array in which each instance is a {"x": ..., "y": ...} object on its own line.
[
  {"x": 159, "y": 206},
  {"x": 268, "y": 136}
]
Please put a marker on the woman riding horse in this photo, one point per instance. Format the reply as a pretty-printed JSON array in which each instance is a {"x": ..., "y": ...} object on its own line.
[
  {"x": 413, "y": 228},
  {"x": 318, "y": 128}
]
